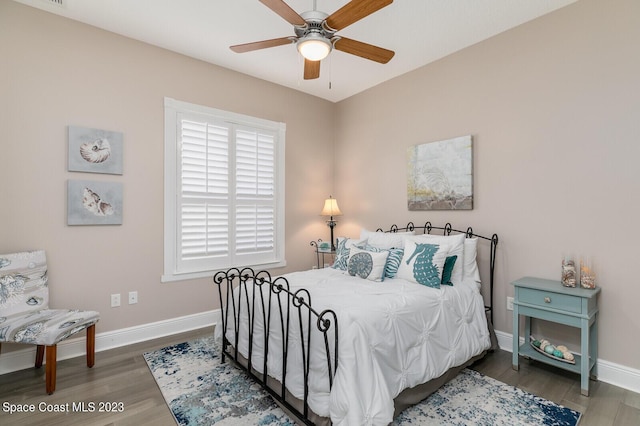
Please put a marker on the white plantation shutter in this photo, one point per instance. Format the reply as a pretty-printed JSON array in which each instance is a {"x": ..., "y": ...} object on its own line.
[
  {"x": 204, "y": 215},
  {"x": 226, "y": 177},
  {"x": 255, "y": 191},
  {"x": 255, "y": 164}
]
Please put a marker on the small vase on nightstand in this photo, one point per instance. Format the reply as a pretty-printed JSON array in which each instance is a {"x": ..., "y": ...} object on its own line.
[
  {"x": 587, "y": 275},
  {"x": 568, "y": 272}
]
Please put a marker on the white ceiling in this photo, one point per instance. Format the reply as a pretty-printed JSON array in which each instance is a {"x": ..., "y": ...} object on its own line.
[{"x": 419, "y": 31}]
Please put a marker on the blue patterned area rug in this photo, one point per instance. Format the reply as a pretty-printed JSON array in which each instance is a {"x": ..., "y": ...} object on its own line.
[{"x": 201, "y": 391}]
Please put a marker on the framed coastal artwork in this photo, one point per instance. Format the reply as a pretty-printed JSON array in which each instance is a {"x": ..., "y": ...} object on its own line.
[
  {"x": 440, "y": 175},
  {"x": 94, "y": 203},
  {"x": 95, "y": 150}
]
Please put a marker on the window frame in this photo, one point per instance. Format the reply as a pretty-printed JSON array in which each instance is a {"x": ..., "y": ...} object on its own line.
[{"x": 173, "y": 111}]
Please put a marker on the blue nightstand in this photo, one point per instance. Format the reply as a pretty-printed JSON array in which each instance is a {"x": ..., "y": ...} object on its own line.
[{"x": 551, "y": 301}]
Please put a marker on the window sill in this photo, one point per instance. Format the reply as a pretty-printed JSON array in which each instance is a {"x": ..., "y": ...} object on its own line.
[{"x": 166, "y": 278}]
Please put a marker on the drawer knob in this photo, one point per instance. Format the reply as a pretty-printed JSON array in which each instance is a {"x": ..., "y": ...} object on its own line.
[{"x": 547, "y": 300}]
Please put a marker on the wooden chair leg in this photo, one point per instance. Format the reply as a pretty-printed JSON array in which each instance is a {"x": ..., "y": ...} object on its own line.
[
  {"x": 91, "y": 345},
  {"x": 39, "y": 355},
  {"x": 50, "y": 369}
]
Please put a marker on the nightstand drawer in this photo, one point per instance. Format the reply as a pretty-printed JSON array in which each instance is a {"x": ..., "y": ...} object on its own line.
[{"x": 547, "y": 299}]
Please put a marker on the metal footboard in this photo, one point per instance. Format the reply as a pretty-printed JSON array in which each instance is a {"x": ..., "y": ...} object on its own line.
[{"x": 248, "y": 298}]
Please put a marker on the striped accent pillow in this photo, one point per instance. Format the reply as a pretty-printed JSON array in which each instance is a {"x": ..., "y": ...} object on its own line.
[{"x": 393, "y": 260}]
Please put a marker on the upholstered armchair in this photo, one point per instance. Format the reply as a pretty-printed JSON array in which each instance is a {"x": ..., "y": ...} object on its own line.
[{"x": 25, "y": 316}]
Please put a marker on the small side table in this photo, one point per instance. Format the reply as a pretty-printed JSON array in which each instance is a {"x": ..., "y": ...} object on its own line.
[
  {"x": 551, "y": 301},
  {"x": 321, "y": 252}
]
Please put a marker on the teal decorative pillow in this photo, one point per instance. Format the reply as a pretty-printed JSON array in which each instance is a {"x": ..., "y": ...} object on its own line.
[
  {"x": 342, "y": 252},
  {"x": 393, "y": 260},
  {"x": 422, "y": 262},
  {"x": 447, "y": 270},
  {"x": 456, "y": 247},
  {"x": 367, "y": 264}
]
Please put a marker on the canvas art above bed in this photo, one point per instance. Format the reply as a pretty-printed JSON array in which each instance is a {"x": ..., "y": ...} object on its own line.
[{"x": 440, "y": 175}]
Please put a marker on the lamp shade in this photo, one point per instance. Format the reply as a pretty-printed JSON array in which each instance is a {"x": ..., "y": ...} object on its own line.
[{"x": 331, "y": 208}]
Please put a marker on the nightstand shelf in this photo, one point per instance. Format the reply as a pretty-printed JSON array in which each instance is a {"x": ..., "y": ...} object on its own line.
[
  {"x": 321, "y": 253},
  {"x": 528, "y": 352},
  {"x": 550, "y": 301}
]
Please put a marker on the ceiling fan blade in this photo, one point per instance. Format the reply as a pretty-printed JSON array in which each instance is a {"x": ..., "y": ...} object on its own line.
[
  {"x": 353, "y": 12},
  {"x": 311, "y": 69},
  {"x": 256, "y": 45},
  {"x": 364, "y": 50},
  {"x": 285, "y": 11}
]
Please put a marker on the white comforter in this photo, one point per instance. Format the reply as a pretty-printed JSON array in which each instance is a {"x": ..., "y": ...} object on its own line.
[{"x": 393, "y": 335}]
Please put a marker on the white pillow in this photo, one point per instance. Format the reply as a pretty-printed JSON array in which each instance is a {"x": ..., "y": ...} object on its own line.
[
  {"x": 367, "y": 264},
  {"x": 456, "y": 248},
  {"x": 422, "y": 261},
  {"x": 470, "y": 264},
  {"x": 385, "y": 240}
]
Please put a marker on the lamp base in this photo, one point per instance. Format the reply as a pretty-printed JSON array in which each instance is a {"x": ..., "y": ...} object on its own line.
[{"x": 332, "y": 224}]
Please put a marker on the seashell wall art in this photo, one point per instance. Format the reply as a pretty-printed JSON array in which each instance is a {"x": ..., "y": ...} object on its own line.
[
  {"x": 95, "y": 150},
  {"x": 94, "y": 203}
]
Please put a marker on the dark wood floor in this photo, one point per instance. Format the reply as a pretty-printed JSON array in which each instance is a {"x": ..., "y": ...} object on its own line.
[
  {"x": 607, "y": 404},
  {"x": 121, "y": 376}
]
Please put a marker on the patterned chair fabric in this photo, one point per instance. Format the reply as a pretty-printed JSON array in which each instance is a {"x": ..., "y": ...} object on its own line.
[{"x": 25, "y": 316}]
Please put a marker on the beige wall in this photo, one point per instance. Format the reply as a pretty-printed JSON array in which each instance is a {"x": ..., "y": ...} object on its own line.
[
  {"x": 554, "y": 110},
  {"x": 552, "y": 105},
  {"x": 56, "y": 72}
]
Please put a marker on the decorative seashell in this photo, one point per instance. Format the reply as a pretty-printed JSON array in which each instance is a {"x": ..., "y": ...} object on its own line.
[
  {"x": 544, "y": 343},
  {"x": 562, "y": 348},
  {"x": 29, "y": 333},
  {"x": 68, "y": 324},
  {"x": 92, "y": 202},
  {"x": 11, "y": 286},
  {"x": 568, "y": 356},
  {"x": 33, "y": 301},
  {"x": 549, "y": 349},
  {"x": 97, "y": 151}
]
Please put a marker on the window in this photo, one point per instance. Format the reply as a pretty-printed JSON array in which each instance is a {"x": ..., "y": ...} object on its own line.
[{"x": 224, "y": 191}]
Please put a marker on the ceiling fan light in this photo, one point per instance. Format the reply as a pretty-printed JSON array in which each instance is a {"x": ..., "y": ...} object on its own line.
[{"x": 314, "y": 47}]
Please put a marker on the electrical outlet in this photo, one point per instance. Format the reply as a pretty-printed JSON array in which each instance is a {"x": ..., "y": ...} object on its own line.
[
  {"x": 509, "y": 303},
  {"x": 133, "y": 297},
  {"x": 115, "y": 300}
]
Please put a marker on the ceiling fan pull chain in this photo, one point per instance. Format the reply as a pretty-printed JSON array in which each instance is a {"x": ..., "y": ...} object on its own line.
[{"x": 330, "y": 69}]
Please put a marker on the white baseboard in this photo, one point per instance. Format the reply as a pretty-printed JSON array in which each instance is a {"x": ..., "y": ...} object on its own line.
[
  {"x": 71, "y": 348},
  {"x": 608, "y": 372}
]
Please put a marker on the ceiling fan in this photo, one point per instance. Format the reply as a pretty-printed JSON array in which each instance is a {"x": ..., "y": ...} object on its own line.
[{"x": 315, "y": 33}]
